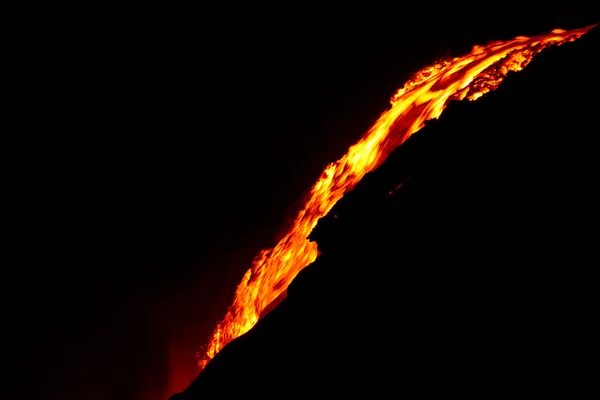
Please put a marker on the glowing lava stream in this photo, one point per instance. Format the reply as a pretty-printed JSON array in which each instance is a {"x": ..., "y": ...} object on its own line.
[{"x": 423, "y": 97}]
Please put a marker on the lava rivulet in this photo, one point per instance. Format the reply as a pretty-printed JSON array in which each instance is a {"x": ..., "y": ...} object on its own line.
[{"x": 422, "y": 98}]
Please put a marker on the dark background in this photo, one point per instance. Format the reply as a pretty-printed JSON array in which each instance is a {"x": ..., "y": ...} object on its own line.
[{"x": 152, "y": 153}]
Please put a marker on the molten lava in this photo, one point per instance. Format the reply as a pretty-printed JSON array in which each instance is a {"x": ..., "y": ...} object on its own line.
[{"x": 422, "y": 98}]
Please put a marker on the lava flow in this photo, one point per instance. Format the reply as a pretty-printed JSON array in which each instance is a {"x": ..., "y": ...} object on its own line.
[{"x": 422, "y": 98}]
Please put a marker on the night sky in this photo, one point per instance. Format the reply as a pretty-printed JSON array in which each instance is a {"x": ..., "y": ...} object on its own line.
[{"x": 156, "y": 152}]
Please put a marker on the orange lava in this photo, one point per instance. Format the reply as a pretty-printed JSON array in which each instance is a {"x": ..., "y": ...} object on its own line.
[{"x": 422, "y": 98}]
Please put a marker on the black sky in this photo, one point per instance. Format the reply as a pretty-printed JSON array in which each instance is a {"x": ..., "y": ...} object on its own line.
[{"x": 155, "y": 152}]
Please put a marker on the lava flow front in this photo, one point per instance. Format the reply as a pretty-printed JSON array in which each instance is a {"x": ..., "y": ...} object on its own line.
[{"x": 423, "y": 97}]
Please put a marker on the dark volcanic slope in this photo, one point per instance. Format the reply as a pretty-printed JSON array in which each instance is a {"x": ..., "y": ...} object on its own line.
[{"x": 469, "y": 279}]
